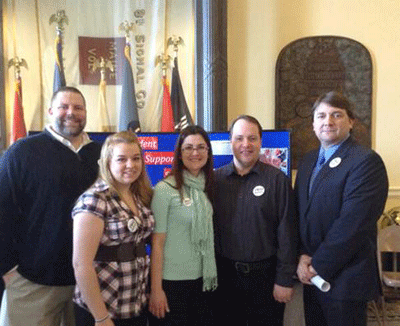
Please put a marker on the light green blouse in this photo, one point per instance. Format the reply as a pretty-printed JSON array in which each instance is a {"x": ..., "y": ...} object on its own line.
[{"x": 174, "y": 218}]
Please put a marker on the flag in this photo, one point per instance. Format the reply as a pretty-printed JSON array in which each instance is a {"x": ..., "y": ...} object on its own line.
[
  {"x": 182, "y": 115},
  {"x": 104, "y": 120},
  {"x": 59, "y": 77},
  {"x": 18, "y": 125},
  {"x": 167, "y": 119},
  {"x": 128, "y": 115}
]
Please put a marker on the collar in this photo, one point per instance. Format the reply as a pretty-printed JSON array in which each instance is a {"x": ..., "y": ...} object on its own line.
[
  {"x": 101, "y": 185},
  {"x": 85, "y": 139},
  {"x": 331, "y": 150},
  {"x": 255, "y": 169}
]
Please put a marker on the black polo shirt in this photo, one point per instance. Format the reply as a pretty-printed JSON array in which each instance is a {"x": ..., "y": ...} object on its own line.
[{"x": 254, "y": 218}]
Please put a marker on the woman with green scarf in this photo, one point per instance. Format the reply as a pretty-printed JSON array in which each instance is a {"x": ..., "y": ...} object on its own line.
[{"x": 182, "y": 259}]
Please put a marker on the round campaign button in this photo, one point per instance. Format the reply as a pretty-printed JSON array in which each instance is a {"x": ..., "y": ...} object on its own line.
[
  {"x": 258, "y": 191},
  {"x": 335, "y": 162},
  {"x": 132, "y": 225},
  {"x": 187, "y": 202}
]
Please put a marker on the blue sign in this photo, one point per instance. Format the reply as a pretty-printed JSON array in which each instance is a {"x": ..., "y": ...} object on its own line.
[{"x": 158, "y": 150}]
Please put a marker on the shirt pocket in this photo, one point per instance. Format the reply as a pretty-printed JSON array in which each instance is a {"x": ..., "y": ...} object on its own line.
[{"x": 117, "y": 227}]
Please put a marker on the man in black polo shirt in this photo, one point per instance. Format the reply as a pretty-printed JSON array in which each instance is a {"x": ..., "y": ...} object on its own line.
[{"x": 255, "y": 234}]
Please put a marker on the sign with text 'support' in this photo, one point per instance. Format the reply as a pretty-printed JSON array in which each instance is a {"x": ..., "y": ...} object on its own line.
[{"x": 158, "y": 150}]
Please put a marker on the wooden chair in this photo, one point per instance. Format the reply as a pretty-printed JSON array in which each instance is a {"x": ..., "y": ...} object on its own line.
[{"x": 389, "y": 264}]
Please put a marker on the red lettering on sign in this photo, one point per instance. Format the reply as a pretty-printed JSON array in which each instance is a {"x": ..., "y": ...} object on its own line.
[
  {"x": 158, "y": 158},
  {"x": 166, "y": 172},
  {"x": 148, "y": 143}
]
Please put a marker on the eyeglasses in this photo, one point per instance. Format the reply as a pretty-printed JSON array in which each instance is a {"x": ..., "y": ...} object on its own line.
[{"x": 201, "y": 149}]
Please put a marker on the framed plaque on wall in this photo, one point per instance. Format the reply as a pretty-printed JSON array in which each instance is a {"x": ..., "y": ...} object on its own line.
[{"x": 311, "y": 66}]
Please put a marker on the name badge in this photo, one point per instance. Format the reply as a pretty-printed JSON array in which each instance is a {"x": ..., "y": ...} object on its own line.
[
  {"x": 132, "y": 225},
  {"x": 258, "y": 191},
  {"x": 335, "y": 162}
]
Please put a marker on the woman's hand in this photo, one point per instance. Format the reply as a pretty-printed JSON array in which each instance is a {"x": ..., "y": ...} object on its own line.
[
  {"x": 87, "y": 232},
  {"x": 158, "y": 304}
]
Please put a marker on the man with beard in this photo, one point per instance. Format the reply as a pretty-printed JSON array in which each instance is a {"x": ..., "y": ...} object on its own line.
[{"x": 40, "y": 178}]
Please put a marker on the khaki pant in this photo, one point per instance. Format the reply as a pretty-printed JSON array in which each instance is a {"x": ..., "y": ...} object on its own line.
[{"x": 30, "y": 304}]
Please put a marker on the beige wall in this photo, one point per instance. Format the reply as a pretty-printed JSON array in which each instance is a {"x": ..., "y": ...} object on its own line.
[{"x": 259, "y": 29}]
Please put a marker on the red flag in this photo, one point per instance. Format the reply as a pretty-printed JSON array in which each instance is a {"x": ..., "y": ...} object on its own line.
[
  {"x": 18, "y": 126},
  {"x": 167, "y": 120}
]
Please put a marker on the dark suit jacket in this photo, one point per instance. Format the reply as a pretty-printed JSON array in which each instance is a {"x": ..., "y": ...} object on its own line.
[{"x": 338, "y": 219}]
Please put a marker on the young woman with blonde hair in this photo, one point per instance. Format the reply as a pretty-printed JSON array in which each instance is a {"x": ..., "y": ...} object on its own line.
[{"x": 112, "y": 223}]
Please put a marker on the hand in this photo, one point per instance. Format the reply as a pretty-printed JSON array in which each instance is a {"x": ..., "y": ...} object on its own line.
[
  {"x": 304, "y": 270},
  {"x": 158, "y": 304},
  {"x": 283, "y": 294},
  {"x": 312, "y": 270},
  {"x": 9, "y": 276}
]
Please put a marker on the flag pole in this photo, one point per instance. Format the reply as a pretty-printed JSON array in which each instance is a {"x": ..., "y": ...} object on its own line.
[
  {"x": 180, "y": 108},
  {"x": 163, "y": 59},
  {"x": 175, "y": 41},
  {"x": 103, "y": 64},
  {"x": 167, "y": 116},
  {"x": 128, "y": 115},
  {"x": 18, "y": 129},
  {"x": 59, "y": 18}
]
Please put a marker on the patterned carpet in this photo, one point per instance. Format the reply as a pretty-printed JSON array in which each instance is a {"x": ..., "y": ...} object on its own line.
[
  {"x": 294, "y": 312},
  {"x": 393, "y": 315}
]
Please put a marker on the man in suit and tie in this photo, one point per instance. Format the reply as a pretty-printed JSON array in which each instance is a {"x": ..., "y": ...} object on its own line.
[{"x": 341, "y": 191}]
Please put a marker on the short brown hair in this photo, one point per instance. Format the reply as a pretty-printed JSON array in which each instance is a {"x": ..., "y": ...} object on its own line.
[
  {"x": 247, "y": 118},
  {"x": 67, "y": 89},
  {"x": 336, "y": 100}
]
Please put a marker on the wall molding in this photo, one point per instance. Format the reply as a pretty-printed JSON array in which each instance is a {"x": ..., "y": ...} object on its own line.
[{"x": 394, "y": 192}]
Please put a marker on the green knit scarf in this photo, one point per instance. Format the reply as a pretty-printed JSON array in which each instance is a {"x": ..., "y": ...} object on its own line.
[{"x": 202, "y": 233}]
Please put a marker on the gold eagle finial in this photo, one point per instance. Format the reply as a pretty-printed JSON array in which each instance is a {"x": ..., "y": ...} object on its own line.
[{"x": 17, "y": 64}]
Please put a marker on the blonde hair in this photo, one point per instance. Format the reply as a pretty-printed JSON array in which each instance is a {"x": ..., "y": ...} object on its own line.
[{"x": 141, "y": 187}]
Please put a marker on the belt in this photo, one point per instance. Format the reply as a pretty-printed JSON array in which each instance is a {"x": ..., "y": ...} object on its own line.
[
  {"x": 246, "y": 268},
  {"x": 122, "y": 252}
]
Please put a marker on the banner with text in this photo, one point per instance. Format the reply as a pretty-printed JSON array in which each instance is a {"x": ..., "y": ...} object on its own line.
[{"x": 158, "y": 150}]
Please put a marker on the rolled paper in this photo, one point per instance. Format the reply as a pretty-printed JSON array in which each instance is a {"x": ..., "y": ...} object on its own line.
[{"x": 320, "y": 283}]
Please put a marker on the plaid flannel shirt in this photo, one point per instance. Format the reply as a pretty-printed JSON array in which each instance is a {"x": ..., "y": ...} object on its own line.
[{"x": 124, "y": 285}]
